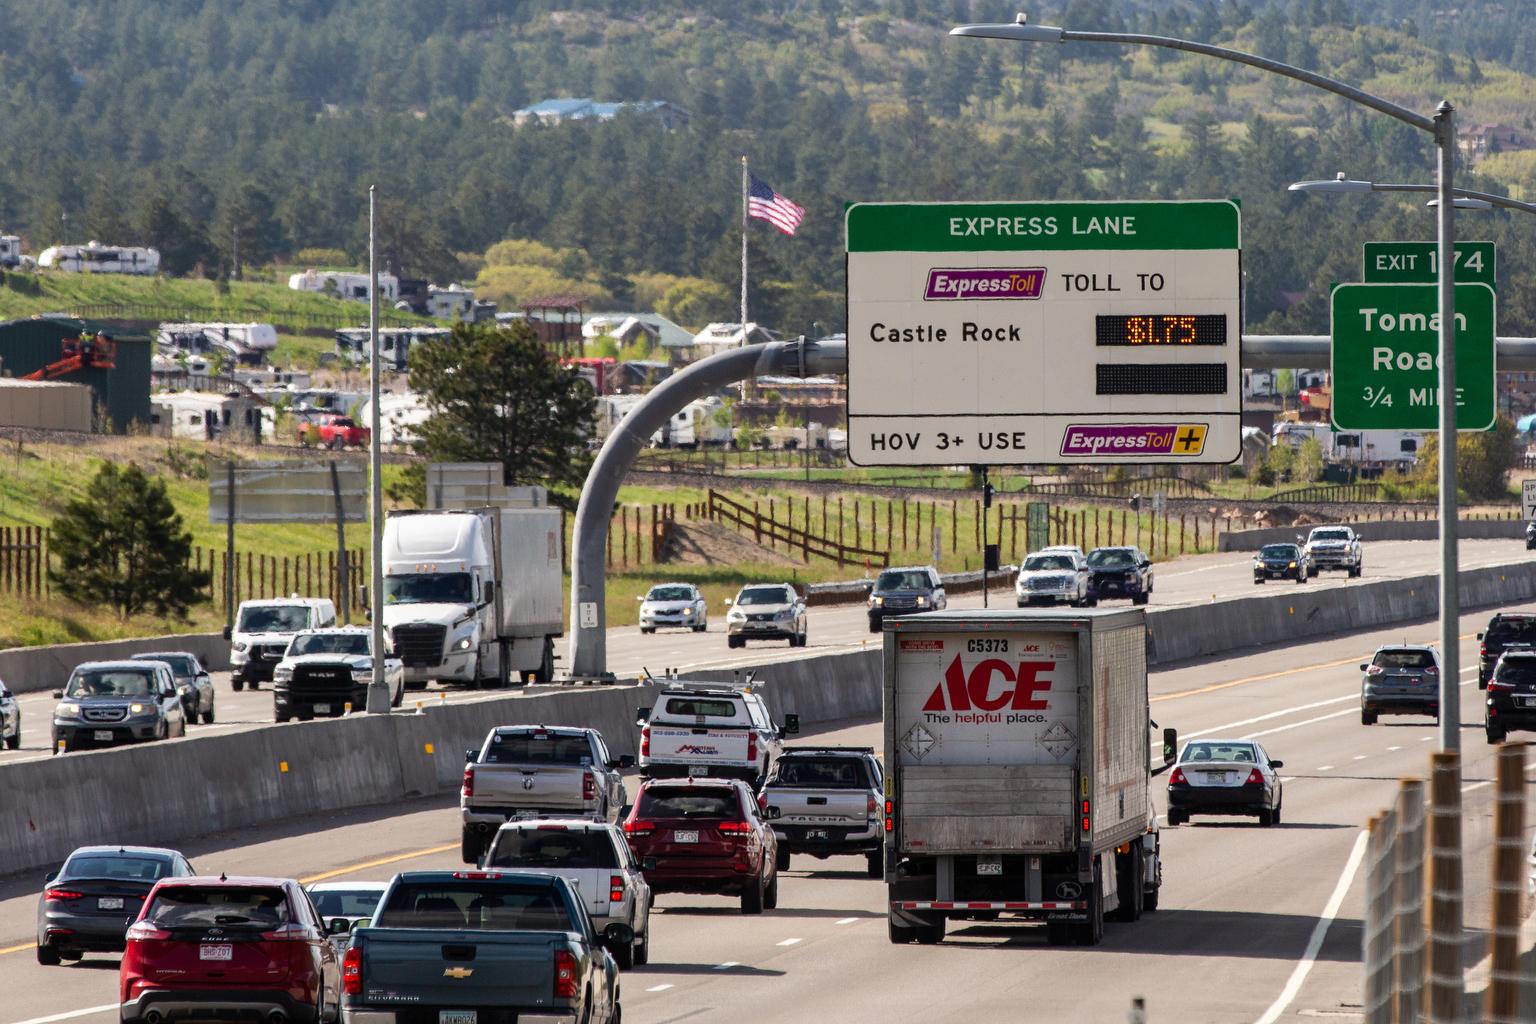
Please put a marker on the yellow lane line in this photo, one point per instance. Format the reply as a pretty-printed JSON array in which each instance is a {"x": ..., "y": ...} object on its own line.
[{"x": 16, "y": 949}]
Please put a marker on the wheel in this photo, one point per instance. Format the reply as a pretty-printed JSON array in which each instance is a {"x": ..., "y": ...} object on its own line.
[
  {"x": 771, "y": 895},
  {"x": 1266, "y": 817},
  {"x": 471, "y": 848},
  {"x": 399, "y": 698},
  {"x": 931, "y": 934},
  {"x": 336, "y": 443},
  {"x": 781, "y": 859},
  {"x": 900, "y": 935},
  {"x": 874, "y": 625},
  {"x": 14, "y": 742},
  {"x": 1058, "y": 933},
  {"x": 734, "y": 641},
  {"x": 1495, "y": 733},
  {"x": 237, "y": 684},
  {"x": 702, "y": 627},
  {"x": 752, "y": 897},
  {"x": 643, "y": 949},
  {"x": 1258, "y": 583},
  {"x": 1278, "y": 807},
  {"x": 546, "y": 670},
  {"x": 282, "y": 716},
  {"x": 1301, "y": 577},
  {"x": 647, "y": 630},
  {"x": 47, "y": 954},
  {"x": 624, "y": 956},
  {"x": 1091, "y": 932},
  {"x": 1150, "y": 897},
  {"x": 1176, "y": 817},
  {"x": 1128, "y": 880},
  {"x": 1367, "y": 717},
  {"x": 208, "y": 717},
  {"x": 1139, "y": 599},
  {"x": 876, "y": 864},
  {"x": 802, "y": 639},
  {"x": 1091, "y": 602}
]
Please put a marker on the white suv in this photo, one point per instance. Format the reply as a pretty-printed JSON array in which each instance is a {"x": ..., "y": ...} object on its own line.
[{"x": 263, "y": 629}]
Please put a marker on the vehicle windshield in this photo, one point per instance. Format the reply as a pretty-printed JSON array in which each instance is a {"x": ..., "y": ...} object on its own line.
[
  {"x": 274, "y": 618},
  {"x": 896, "y": 579},
  {"x": 1330, "y": 535},
  {"x": 493, "y": 906},
  {"x": 673, "y": 802},
  {"x": 1404, "y": 659},
  {"x": 1035, "y": 563},
  {"x": 1112, "y": 558},
  {"x": 113, "y": 682},
  {"x": 1516, "y": 671},
  {"x": 1278, "y": 551},
  {"x": 764, "y": 595},
  {"x": 329, "y": 643},
  {"x": 538, "y": 748},
  {"x": 1513, "y": 631},
  {"x": 553, "y": 846},
  {"x": 430, "y": 588},
  {"x": 1219, "y": 752},
  {"x": 181, "y": 664},
  {"x": 105, "y": 865},
  {"x": 346, "y": 902},
  {"x": 822, "y": 773},
  {"x": 223, "y": 906},
  {"x": 670, "y": 594}
]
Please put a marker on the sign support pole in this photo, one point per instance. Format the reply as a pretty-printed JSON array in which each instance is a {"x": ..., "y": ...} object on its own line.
[
  {"x": 378, "y": 690},
  {"x": 341, "y": 548},
  {"x": 229, "y": 549}
]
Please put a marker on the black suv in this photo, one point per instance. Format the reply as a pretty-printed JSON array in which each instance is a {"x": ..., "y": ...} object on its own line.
[
  {"x": 1505, "y": 632},
  {"x": 905, "y": 591},
  {"x": 1119, "y": 572},
  {"x": 1511, "y": 701}
]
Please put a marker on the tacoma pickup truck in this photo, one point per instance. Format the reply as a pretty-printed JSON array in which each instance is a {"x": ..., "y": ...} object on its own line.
[
  {"x": 481, "y": 947},
  {"x": 718, "y": 730},
  {"x": 532, "y": 770},
  {"x": 823, "y": 801}
]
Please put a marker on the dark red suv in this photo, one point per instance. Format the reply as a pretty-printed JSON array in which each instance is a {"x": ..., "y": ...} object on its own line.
[
  {"x": 229, "y": 949},
  {"x": 704, "y": 836}
]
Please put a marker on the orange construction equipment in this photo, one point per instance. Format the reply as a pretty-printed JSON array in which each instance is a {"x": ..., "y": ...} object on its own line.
[{"x": 86, "y": 351}]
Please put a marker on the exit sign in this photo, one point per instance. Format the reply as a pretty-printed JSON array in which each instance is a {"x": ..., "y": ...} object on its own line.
[{"x": 1418, "y": 263}]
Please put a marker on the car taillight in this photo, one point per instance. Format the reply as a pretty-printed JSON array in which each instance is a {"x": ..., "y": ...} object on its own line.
[
  {"x": 615, "y": 888},
  {"x": 1177, "y": 778},
  {"x": 645, "y": 741},
  {"x": 1373, "y": 670},
  {"x": 468, "y": 789},
  {"x": 565, "y": 975},
  {"x": 59, "y": 895},
  {"x": 1482, "y": 650},
  {"x": 639, "y": 828},
  {"x": 1432, "y": 671},
  {"x": 352, "y": 972},
  {"x": 146, "y": 930},
  {"x": 751, "y": 746},
  {"x": 290, "y": 932},
  {"x": 1500, "y": 684},
  {"x": 871, "y": 805},
  {"x": 1254, "y": 778},
  {"x": 734, "y": 827},
  {"x": 588, "y": 786}
]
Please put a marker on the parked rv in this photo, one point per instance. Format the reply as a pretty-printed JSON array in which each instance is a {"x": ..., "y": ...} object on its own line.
[{"x": 96, "y": 258}]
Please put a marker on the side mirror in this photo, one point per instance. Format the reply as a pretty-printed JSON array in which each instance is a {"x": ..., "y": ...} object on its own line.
[
  {"x": 772, "y": 813},
  {"x": 618, "y": 935},
  {"x": 1277, "y": 764},
  {"x": 470, "y": 756},
  {"x": 490, "y": 592},
  {"x": 58, "y": 694},
  {"x": 1363, "y": 666},
  {"x": 648, "y": 864},
  {"x": 338, "y": 926},
  {"x": 642, "y": 715},
  {"x": 227, "y": 632},
  {"x": 626, "y": 761},
  {"x": 51, "y": 875},
  {"x": 791, "y": 725},
  {"x": 1479, "y": 636},
  {"x": 1170, "y": 745}
]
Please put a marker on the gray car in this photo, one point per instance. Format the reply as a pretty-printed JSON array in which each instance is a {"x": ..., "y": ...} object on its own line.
[
  {"x": 110, "y": 702},
  {"x": 10, "y": 718},
  {"x": 1400, "y": 679},
  {"x": 88, "y": 904},
  {"x": 192, "y": 681}
]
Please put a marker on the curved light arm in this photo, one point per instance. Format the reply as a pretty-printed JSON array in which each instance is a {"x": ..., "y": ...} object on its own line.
[{"x": 1342, "y": 184}]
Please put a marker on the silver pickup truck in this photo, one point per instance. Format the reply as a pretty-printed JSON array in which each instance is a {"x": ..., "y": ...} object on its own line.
[
  {"x": 534, "y": 770},
  {"x": 825, "y": 801}
]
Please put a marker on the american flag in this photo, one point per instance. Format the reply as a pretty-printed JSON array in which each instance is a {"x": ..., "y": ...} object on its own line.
[{"x": 766, "y": 204}]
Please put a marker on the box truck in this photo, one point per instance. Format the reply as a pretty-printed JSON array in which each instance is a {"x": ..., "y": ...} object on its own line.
[
  {"x": 1018, "y": 770},
  {"x": 473, "y": 595}
]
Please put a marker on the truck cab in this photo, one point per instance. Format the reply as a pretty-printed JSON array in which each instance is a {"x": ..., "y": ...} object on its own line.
[
  {"x": 263, "y": 629},
  {"x": 715, "y": 730}
]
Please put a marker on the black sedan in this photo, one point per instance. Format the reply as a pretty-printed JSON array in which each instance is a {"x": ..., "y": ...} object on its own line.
[
  {"x": 1281, "y": 562},
  {"x": 88, "y": 904},
  {"x": 1511, "y": 700}
]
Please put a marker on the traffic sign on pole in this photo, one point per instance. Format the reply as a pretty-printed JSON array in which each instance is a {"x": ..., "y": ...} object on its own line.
[
  {"x": 1528, "y": 498},
  {"x": 1011, "y": 333},
  {"x": 1416, "y": 263},
  {"x": 1386, "y": 363}
]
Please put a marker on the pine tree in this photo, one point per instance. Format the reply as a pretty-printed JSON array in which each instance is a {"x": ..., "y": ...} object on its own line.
[{"x": 124, "y": 546}]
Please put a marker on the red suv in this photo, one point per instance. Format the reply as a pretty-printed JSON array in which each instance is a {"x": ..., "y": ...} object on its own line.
[
  {"x": 229, "y": 949},
  {"x": 704, "y": 836}
]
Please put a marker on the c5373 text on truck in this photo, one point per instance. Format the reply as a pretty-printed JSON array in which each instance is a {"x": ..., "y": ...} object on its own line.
[{"x": 1017, "y": 771}]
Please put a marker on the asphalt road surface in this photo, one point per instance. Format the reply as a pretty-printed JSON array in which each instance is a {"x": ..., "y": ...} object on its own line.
[
  {"x": 1240, "y": 906},
  {"x": 1197, "y": 579}
]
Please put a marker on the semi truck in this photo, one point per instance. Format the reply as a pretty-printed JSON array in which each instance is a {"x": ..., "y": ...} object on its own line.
[
  {"x": 474, "y": 595},
  {"x": 1018, "y": 771}
]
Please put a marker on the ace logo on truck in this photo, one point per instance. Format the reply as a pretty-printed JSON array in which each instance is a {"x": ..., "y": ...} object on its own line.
[{"x": 978, "y": 698}]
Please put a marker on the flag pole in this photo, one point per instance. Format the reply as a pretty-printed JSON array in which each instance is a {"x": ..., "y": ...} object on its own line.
[{"x": 746, "y": 385}]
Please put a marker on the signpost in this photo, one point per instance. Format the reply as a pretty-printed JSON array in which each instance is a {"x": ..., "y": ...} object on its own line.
[
  {"x": 1385, "y": 357},
  {"x": 1528, "y": 498},
  {"x": 1009, "y": 333},
  {"x": 1416, "y": 263}
]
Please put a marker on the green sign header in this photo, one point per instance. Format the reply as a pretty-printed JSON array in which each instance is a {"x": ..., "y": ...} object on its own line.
[
  {"x": 1416, "y": 263},
  {"x": 1044, "y": 226}
]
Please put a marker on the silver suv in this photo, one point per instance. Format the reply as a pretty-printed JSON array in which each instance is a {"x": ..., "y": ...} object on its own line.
[{"x": 766, "y": 611}]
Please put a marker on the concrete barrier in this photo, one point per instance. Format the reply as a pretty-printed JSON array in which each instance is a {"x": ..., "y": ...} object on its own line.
[
  {"x": 29, "y": 669},
  {"x": 1420, "y": 529}
]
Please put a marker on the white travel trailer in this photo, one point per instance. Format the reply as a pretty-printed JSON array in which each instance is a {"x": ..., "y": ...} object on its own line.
[
  {"x": 10, "y": 251},
  {"x": 345, "y": 284},
  {"x": 611, "y": 409},
  {"x": 205, "y": 415},
  {"x": 401, "y": 415},
  {"x": 394, "y": 344},
  {"x": 245, "y": 343},
  {"x": 96, "y": 258},
  {"x": 699, "y": 425}
]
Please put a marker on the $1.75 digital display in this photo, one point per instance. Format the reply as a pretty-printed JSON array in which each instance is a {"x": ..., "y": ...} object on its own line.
[{"x": 1172, "y": 330}]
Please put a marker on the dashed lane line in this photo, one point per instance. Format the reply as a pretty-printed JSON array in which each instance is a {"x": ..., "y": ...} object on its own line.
[{"x": 72, "y": 1014}]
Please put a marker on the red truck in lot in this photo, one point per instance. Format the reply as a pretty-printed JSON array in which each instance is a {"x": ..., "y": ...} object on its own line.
[{"x": 333, "y": 432}]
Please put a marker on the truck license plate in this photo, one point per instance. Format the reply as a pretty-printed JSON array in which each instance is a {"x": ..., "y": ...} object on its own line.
[
  {"x": 110, "y": 903},
  {"x": 218, "y": 952},
  {"x": 1526, "y": 702},
  {"x": 324, "y": 709},
  {"x": 456, "y": 1016},
  {"x": 685, "y": 837},
  {"x": 698, "y": 769},
  {"x": 989, "y": 865},
  {"x": 105, "y": 735}
]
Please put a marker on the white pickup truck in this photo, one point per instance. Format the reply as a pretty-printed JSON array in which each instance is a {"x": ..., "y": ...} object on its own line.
[
  {"x": 533, "y": 770},
  {"x": 715, "y": 730},
  {"x": 824, "y": 801}
]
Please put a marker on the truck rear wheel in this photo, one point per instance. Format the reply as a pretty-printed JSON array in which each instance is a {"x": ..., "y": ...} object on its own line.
[
  {"x": 1091, "y": 931},
  {"x": 900, "y": 935},
  {"x": 546, "y": 670},
  {"x": 1129, "y": 883},
  {"x": 931, "y": 934}
]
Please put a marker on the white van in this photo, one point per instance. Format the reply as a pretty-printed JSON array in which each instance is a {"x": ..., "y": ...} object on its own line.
[{"x": 263, "y": 630}]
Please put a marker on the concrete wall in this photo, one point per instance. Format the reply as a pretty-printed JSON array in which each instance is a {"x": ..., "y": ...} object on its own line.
[
  {"x": 30, "y": 669},
  {"x": 1423, "y": 529}
]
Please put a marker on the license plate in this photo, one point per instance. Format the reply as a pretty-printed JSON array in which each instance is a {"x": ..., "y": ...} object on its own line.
[
  {"x": 325, "y": 709},
  {"x": 816, "y": 833},
  {"x": 685, "y": 837},
  {"x": 1525, "y": 702},
  {"x": 219, "y": 952},
  {"x": 1218, "y": 776},
  {"x": 456, "y": 1016},
  {"x": 989, "y": 865},
  {"x": 698, "y": 769},
  {"x": 110, "y": 903},
  {"x": 102, "y": 734}
]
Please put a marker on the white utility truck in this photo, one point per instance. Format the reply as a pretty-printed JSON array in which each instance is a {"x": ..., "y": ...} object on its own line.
[
  {"x": 1016, "y": 746},
  {"x": 473, "y": 595}
]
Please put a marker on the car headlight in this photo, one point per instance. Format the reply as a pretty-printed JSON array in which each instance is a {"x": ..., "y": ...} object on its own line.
[
  {"x": 921, "y": 601},
  {"x": 737, "y": 616},
  {"x": 877, "y": 601},
  {"x": 68, "y": 709},
  {"x": 136, "y": 709},
  {"x": 282, "y": 674},
  {"x": 464, "y": 643},
  {"x": 1293, "y": 565},
  {"x": 242, "y": 646}
]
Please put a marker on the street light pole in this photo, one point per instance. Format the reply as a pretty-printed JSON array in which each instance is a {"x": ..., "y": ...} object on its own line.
[
  {"x": 1450, "y": 596},
  {"x": 378, "y": 689}
]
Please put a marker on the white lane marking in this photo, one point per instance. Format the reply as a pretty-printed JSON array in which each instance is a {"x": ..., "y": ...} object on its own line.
[
  {"x": 1273, "y": 714},
  {"x": 789, "y": 942},
  {"x": 727, "y": 965},
  {"x": 1359, "y": 757},
  {"x": 1325, "y": 767},
  {"x": 850, "y": 920},
  {"x": 659, "y": 988},
  {"x": 1469, "y": 787},
  {"x": 71, "y": 1015},
  {"x": 1297, "y": 725},
  {"x": 1319, "y": 932},
  {"x": 1395, "y": 748},
  {"x": 1287, "y": 778},
  {"x": 1426, "y": 739}
]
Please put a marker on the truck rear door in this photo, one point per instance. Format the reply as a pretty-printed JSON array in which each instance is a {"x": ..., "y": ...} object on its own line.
[
  {"x": 821, "y": 791},
  {"x": 459, "y": 968},
  {"x": 585, "y": 857},
  {"x": 535, "y": 768}
]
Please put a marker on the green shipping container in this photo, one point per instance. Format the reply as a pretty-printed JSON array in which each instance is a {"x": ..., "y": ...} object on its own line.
[{"x": 121, "y": 394}]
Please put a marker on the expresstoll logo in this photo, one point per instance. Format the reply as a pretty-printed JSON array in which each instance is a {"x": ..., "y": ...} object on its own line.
[
  {"x": 949, "y": 284},
  {"x": 1111, "y": 439},
  {"x": 993, "y": 692}
]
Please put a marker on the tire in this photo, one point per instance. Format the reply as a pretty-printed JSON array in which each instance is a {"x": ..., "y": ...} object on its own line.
[
  {"x": 1058, "y": 933},
  {"x": 931, "y": 934},
  {"x": 1258, "y": 583},
  {"x": 1301, "y": 577},
  {"x": 1495, "y": 733},
  {"x": 781, "y": 859},
  {"x": 13, "y": 742},
  {"x": 208, "y": 717},
  {"x": 1090, "y": 602},
  {"x": 643, "y": 949},
  {"x": 1367, "y": 717},
  {"x": 398, "y": 699},
  {"x": 237, "y": 684},
  {"x": 282, "y": 716},
  {"x": 1128, "y": 881},
  {"x": 47, "y": 954},
  {"x": 875, "y": 866},
  {"x": 900, "y": 935},
  {"x": 1176, "y": 817},
  {"x": 1091, "y": 932},
  {"x": 647, "y": 630},
  {"x": 1266, "y": 817},
  {"x": 545, "y": 673},
  {"x": 471, "y": 847},
  {"x": 1278, "y": 808},
  {"x": 771, "y": 894},
  {"x": 874, "y": 627},
  {"x": 625, "y": 956},
  {"x": 702, "y": 627},
  {"x": 802, "y": 640},
  {"x": 336, "y": 443},
  {"x": 1139, "y": 599},
  {"x": 734, "y": 642},
  {"x": 752, "y": 897},
  {"x": 1150, "y": 897}
]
